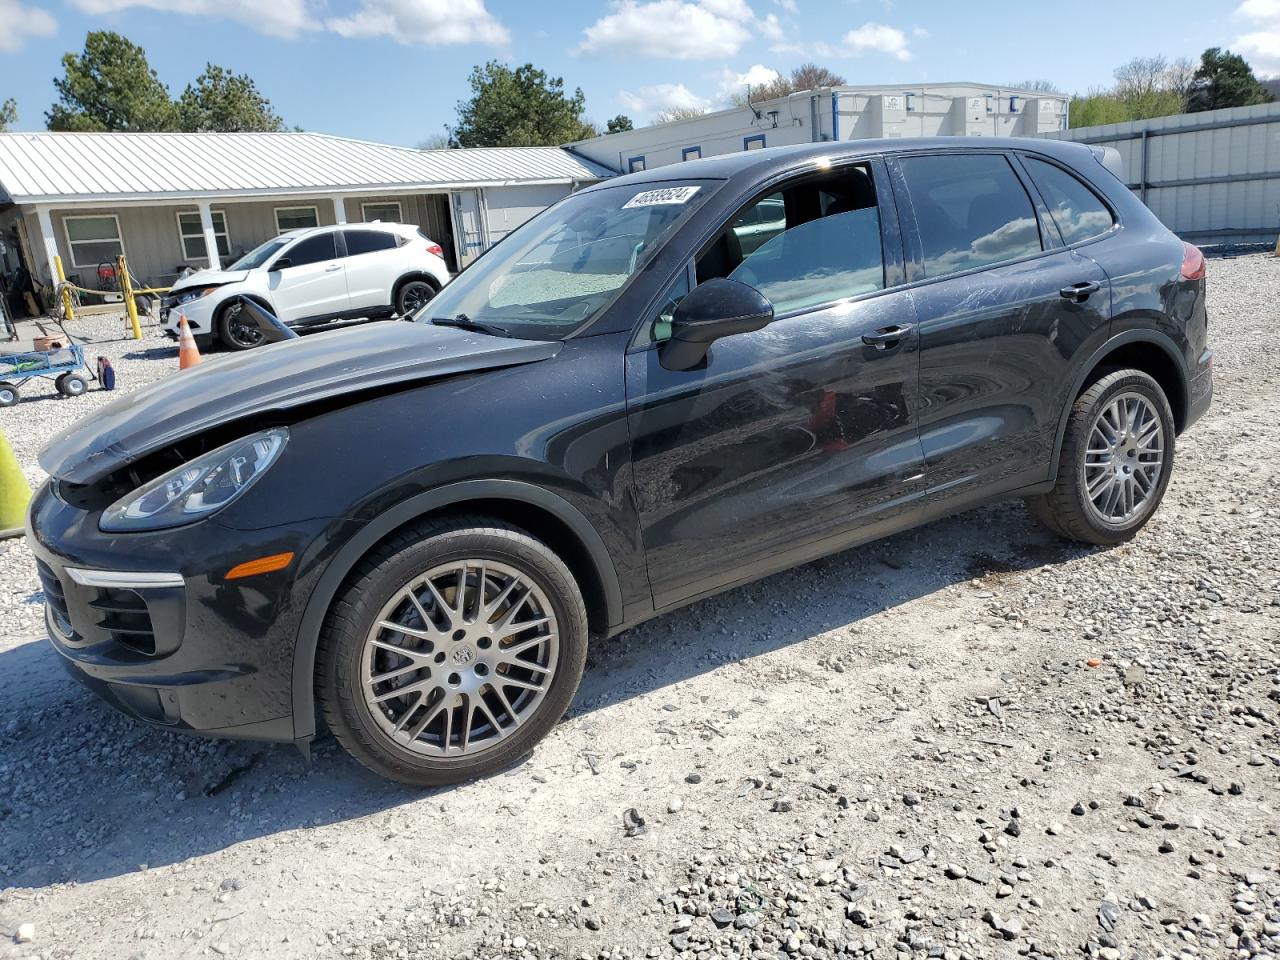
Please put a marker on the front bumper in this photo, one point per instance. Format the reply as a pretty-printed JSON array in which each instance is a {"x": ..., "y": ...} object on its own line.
[
  {"x": 165, "y": 638},
  {"x": 199, "y": 314}
]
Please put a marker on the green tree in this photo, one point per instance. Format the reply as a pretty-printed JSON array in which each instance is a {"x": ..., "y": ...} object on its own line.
[
  {"x": 619, "y": 123},
  {"x": 227, "y": 102},
  {"x": 1224, "y": 79},
  {"x": 8, "y": 114},
  {"x": 523, "y": 107},
  {"x": 110, "y": 86}
]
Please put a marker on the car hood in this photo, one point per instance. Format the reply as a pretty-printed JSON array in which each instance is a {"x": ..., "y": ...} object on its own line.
[
  {"x": 279, "y": 376},
  {"x": 208, "y": 278}
]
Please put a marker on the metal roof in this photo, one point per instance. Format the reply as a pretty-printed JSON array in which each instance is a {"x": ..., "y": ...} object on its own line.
[{"x": 78, "y": 167}]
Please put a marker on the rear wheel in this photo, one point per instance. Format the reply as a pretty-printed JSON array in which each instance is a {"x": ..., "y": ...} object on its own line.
[
  {"x": 8, "y": 393},
  {"x": 1117, "y": 456},
  {"x": 234, "y": 330},
  {"x": 453, "y": 650},
  {"x": 412, "y": 295},
  {"x": 71, "y": 384}
]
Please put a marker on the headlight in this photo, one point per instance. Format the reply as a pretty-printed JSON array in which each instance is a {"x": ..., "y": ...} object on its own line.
[
  {"x": 186, "y": 296},
  {"x": 198, "y": 487}
]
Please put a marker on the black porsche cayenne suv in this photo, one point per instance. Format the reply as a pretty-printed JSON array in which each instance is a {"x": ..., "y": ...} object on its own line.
[{"x": 665, "y": 385}]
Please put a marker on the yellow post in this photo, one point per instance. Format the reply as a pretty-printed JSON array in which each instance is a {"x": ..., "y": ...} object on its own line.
[
  {"x": 68, "y": 312},
  {"x": 126, "y": 288},
  {"x": 15, "y": 492}
]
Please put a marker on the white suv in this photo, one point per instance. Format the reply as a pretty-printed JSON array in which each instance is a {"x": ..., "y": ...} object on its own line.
[{"x": 312, "y": 276}]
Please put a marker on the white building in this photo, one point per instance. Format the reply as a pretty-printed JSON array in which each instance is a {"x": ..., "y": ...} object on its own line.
[
  {"x": 169, "y": 200},
  {"x": 835, "y": 113}
]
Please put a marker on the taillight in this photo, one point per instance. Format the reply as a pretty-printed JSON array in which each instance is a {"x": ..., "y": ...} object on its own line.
[
  {"x": 436, "y": 250},
  {"x": 1192, "y": 262}
]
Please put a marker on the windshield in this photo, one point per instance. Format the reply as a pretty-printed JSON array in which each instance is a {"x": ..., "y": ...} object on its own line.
[
  {"x": 260, "y": 254},
  {"x": 562, "y": 268}
]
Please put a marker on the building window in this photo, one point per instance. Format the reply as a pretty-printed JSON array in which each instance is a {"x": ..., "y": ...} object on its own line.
[
  {"x": 1013, "y": 103},
  {"x": 691, "y": 153},
  {"x": 753, "y": 143},
  {"x": 990, "y": 102},
  {"x": 907, "y": 96},
  {"x": 192, "y": 235},
  {"x": 93, "y": 240},
  {"x": 388, "y": 211},
  {"x": 635, "y": 164},
  {"x": 296, "y": 218}
]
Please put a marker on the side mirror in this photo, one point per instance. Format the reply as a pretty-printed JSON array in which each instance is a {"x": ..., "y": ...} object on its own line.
[
  {"x": 715, "y": 309},
  {"x": 282, "y": 264},
  {"x": 268, "y": 324}
]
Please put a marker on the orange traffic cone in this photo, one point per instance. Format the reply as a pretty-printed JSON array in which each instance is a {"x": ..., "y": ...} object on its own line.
[{"x": 188, "y": 355}]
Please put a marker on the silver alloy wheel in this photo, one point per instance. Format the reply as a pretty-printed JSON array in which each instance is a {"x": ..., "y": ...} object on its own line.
[
  {"x": 1123, "y": 459},
  {"x": 459, "y": 658}
]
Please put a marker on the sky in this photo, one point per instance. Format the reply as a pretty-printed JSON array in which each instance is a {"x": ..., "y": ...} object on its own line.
[{"x": 393, "y": 70}]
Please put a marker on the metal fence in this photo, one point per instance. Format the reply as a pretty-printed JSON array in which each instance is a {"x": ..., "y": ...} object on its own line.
[{"x": 1211, "y": 177}]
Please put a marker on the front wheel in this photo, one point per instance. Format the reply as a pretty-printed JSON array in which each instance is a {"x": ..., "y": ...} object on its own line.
[
  {"x": 8, "y": 393},
  {"x": 235, "y": 330},
  {"x": 453, "y": 649},
  {"x": 71, "y": 384},
  {"x": 1117, "y": 456}
]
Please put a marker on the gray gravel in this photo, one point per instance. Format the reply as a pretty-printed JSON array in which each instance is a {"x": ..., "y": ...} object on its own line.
[{"x": 898, "y": 752}]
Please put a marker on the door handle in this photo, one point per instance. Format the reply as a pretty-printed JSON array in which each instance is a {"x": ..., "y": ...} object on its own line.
[
  {"x": 887, "y": 337},
  {"x": 332, "y": 267},
  {"x": 1079, "y": 292}
]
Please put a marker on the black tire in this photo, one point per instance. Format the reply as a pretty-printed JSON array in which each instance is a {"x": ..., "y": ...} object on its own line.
[
  {"x": 71, "y": 384},
  {"x": 1067, "y": 509},
  {"x": 376, "y": 580},
  {"x": 8, "y": 393},
  {"x": 233, "y": 334},
  {"x": 411, "y": 295}
]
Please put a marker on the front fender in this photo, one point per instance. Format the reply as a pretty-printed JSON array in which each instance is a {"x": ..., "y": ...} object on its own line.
[{"x": 317, "y": 606}]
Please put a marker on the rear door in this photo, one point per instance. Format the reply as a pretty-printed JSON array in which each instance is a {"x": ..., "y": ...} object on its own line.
[
  {"x": 308, "y": 280},
  {"x": 1006, "y": 312},
  {"x": 373, "y": 263},
  {"x": 792, "y": 437}
]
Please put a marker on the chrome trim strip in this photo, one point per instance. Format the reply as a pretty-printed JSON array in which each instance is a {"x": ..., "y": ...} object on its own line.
[{"x": 124, "y": 579}]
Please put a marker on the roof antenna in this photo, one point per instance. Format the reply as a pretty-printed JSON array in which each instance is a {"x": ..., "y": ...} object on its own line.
[{"x": 757, "y": 113}]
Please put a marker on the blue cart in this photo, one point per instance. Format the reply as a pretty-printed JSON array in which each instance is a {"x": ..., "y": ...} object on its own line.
[{"x": 63, "y": 366}]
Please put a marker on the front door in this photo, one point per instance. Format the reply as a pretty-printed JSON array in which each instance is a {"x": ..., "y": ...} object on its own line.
[
  {"x": 1006, "y": 312},
  {"x": 790, "y": 437},
  {"x": 308, "y": 280}
]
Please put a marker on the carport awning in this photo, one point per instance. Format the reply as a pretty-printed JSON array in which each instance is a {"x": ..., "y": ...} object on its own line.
[{"x": 95, "y": 167}]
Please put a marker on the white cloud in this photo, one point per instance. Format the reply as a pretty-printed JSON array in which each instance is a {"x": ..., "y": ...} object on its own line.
[
  {"x": 427, "y": 22},
  {"x": 677, "y": 29},
  {"x": 1261, "y": 45},
  {"x": 920, "y": 32},
  {"x": 731, "y": 83},
  {"x": 878, "y": 38},
  {"x": 17, "y": 23},
  {"x": 659, "y": 97},
  {"x": 787, "y": 5},
  {"x": 279, "y": 18}
]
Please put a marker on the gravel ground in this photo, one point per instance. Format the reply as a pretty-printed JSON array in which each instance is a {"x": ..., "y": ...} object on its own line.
[{"x": 970, "y": 740}]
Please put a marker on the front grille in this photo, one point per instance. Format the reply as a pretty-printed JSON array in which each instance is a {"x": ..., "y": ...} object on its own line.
[
  {"x": 124, "y": 615},
  {"x": 55, "y": 599}
]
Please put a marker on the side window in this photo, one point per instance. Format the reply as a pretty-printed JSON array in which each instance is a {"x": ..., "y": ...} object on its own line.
[
  {"x": 312, "y": 250},
  {"x": 659, "y": 329},
  {"x": 812, "y": 243},
  {"x": 368, "y": 241},
  {"x": 1076, "y": 209},
  {"x": 972, "y": 211}
]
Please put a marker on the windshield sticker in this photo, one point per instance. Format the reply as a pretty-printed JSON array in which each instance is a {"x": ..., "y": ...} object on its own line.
[{"x": 667, "y": 195}]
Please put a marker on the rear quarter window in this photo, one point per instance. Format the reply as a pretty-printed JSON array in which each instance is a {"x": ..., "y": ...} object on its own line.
[
  {"x": 1076, "y": 209},
  {"x": 971, "y": 211}
]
